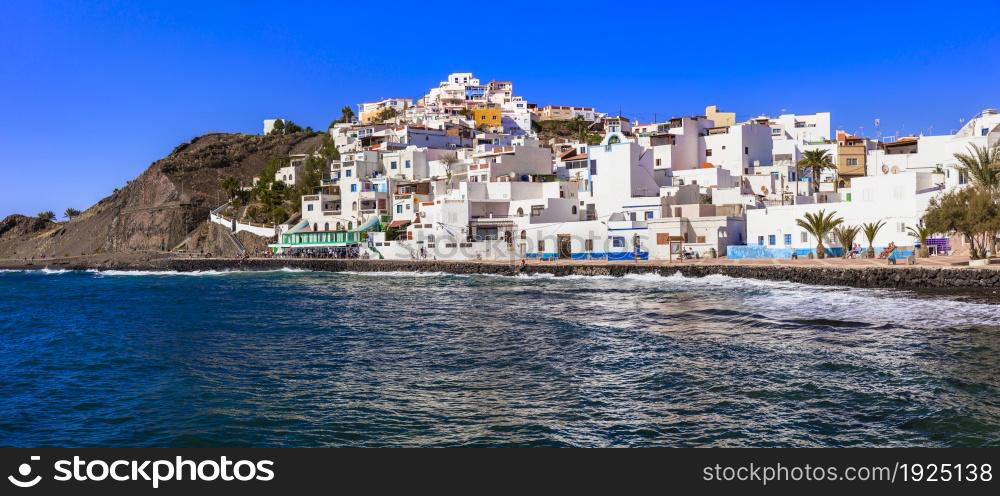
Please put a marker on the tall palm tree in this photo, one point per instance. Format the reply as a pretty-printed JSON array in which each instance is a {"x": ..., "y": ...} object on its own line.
[
  {"x": 922, "y": 233},
  {"x": 815, "y": 161},
  {"x": 845, "y": 236},
  {"x": 580, "y": 125},
  {"x": 871, "y": 230},
  {"x": 819, "y": 224},
  {"x": 982, "y": 164}
]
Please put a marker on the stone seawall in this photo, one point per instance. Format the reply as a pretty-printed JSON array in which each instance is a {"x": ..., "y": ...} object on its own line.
[
  {"x": 867, "y": 277},
  {"x": 861, "y": 277}
]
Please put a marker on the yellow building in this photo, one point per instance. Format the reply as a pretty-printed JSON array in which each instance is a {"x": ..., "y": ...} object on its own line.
[
  {"x": 721, "y": 118},
  {"x": 851, "y": 154},
  {"x": 489, "y": 117}
]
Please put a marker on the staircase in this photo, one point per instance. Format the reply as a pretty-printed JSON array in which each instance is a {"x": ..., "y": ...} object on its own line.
[{"x": 235, "y": 241}]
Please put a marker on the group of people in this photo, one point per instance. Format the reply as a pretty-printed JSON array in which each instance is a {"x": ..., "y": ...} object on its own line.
[{"x": 339, "y": 252}]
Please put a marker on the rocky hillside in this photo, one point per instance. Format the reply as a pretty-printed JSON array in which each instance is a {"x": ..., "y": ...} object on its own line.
[{"x": 158, "y": 209}]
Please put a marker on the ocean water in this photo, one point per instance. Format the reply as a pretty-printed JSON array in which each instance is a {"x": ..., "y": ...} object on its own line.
[{"x": 290, "y": 358}]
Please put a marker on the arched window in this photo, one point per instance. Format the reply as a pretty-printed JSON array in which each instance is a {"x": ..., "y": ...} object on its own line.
[
  {"x": 524, "y": 234},
  {"x": 340, "y": 227},
  {"x": 430, "y": 238},
  {"x": 574, "y": 209},
  {"x": 614, "y": 140},
  {"x": 315, "y": 227},
  {"x": 350, "y": 226},
  {"x": 520, "y": 212},
  {"x": 354, "y": 206}
]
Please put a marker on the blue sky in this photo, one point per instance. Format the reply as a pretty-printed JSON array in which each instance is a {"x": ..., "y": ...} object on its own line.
[{"x": 93, "y": 92}]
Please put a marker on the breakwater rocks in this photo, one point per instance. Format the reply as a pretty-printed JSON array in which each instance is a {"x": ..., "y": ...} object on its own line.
[
  {"x": 860, "y": 277},
  {"x": 865, "y": 277}
]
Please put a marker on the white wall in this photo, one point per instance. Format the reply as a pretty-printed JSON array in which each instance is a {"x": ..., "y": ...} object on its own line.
[{"x": 899, "y": 200}]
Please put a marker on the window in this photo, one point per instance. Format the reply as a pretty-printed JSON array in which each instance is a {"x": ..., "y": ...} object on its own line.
[
  {"x": 520, "y": 212},
  {"x": 573, "y": 210},
  {"x": 852, "y": 162},
  {"x": 618, "y": 242},
  {"x": 760, "y": 240},
  {"x": 631, "y": 216},
  {"x": 708, "y": 152},
  {"x": 399, "y": 209},
  {"x": 788, "y": 239},
  {"x": 746, "y": 150},
  {"x": 985, "y": 132},
  {"x": 407, "y": 164},
  {"x": 588, "y": 245},
  {"x": 524, "y": 234},
  {"x": 649, "y": 214},
  {"x": 354, "y": 188},
  {"x": 326, "y": 226},
  {"x": 658, "y": 162},
  {"x": 805, "y": 237},
  {"x": 309, "y": 207},
  {"x": 541, "y": 245},
  {"x": 771, "y": 239},
  {"x": 536, "y": 210},
  {"x": 392, "y": 165}
]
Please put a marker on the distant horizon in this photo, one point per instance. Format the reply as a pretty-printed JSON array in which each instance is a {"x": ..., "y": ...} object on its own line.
[{"x": 95, "y": 94}]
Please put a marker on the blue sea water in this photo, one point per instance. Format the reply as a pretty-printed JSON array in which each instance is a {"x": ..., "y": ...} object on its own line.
[{"x": 342, "y": 359}]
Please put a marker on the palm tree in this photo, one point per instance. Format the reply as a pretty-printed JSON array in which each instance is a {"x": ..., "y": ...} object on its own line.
[
  {"x": 230, "y": 186},
  {"x": 449, "y": 160},
  {"x": 982, "y": 164},
  {"x": 819, "y": 224},
  {"x": 871, "y": 229},
  {"x": 70, "y": 213},
  {"x": 815, "y": 161},
  {"x": 845, "y": 236},
  {"x": 46, "y": 216},
  {"x": 922, "y": 233},
  {"x": 580, "y": 125}
]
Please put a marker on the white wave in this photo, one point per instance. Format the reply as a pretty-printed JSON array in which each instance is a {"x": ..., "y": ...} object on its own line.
[
  {"x": 193, "y": 273},
  {"x": 784, "y": 299},
  {"x": 400, "y": 273},
  {"x": 54, "y": 271},
  {"x": 102, "y": 273}
]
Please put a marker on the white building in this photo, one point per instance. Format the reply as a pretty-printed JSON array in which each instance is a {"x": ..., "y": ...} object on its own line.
[{"x": 899, "y": 200}]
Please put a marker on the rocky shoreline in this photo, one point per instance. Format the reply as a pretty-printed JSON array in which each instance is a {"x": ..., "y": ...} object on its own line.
[{"x": 867, "y": 277}]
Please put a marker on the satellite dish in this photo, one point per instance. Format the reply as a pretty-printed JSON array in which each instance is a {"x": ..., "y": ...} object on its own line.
[
  {"x": 885, "y": 169},
  {"x": 895, "y": 169}
]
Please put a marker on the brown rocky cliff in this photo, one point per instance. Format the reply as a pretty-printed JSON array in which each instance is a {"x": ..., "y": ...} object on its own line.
[{"x": 158, "y": 209}]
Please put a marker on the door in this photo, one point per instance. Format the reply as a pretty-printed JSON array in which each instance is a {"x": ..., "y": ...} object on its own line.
[{"x": 565, "y": 246}]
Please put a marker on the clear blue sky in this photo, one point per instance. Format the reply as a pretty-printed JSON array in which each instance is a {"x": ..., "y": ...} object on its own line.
[{"x": 93, "y": 92}]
